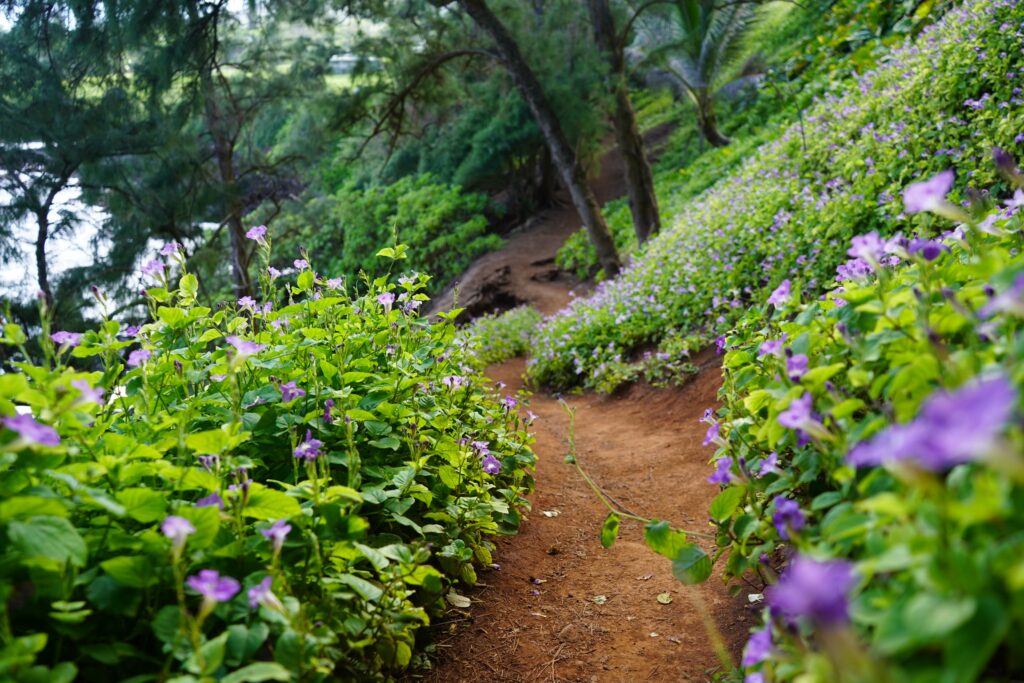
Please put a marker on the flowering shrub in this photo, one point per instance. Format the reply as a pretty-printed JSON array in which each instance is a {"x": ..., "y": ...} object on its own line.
[
  {"x": 498, "y": 337},
  {"x": 275, "y": 490},
  {"x": 792, "y": 209},
  {"x": 876, "y": 434}
]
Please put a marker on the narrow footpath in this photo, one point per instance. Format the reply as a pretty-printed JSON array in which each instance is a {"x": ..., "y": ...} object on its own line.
[{"x": 561, "y": 607}]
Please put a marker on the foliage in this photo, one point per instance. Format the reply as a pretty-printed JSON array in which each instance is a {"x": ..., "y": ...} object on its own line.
[
  {"x": 790, "y": 209},
  {"x": 335, "y": 459},
  {"x": 444, "y": 227},
  {"x": 889, "y": 449},
  {"x": 496, "y": 337}
]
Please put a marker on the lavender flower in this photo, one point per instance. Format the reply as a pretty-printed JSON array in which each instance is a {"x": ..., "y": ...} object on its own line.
[
  {"x": 247, "y": 302},
  {"x": 929, "y": 249},
  {"x": 758, "y": 648},
  {"x": 209, "y": 462},
  {"x": 454, "y": 381},
  {"x": 273, "y": 272},
  {"x": 334, "y": 283},
  {"x": 32, "y": 432},
  {"x": 290, "y": 391},
  {"x": 300, "y": 264},
  {"x": 491, "y": 464},
  {"x": 66, "y": 338},
  {"x": 308, "y": 450},
  {"x": 720, "y": 344},
  {"x": 1010, "y": 301},
  {"x": 711, "y": 435},
  {"x": 170, "y": 249},
  {"x": 138, "y": 357},
  {"x": 869, "y": 247},
  {"x": 769, "y": 464},
  {"x": 328, "y": 405},
  {"x": 509, "y": 402},
  {"x": 796, "y": 366},
  {"x": 178, "y": 529},
  {"x": 722, "y": 475},
  {"x": 213, "y": 587},
  {"x": 153, "y": 268},
  {"x": 277, "y": 532},
  {"x": 800, "y": 416},
  {"x": 386, "y": 300},
  {"x": 86, "y": 393},
  {"x": 787, "y": 517},
  {"x": 813, "y": 590},
  {"x": 261, "y": 594},
  {"x": 258, "y": 234},
  {"x": 243, "y": 346},
  {"x": 930, "y": 195},
  {"x": 770, "y": 347},
  {"x": 951, "y": 428},
  {"x": 781, "y": 294},
  {"x": 212, "y": 500}
]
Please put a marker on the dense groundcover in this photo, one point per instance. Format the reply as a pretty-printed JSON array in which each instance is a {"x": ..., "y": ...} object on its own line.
[
  {"x": 943, "y": 100},
  {"x": 280, "y": 489}
]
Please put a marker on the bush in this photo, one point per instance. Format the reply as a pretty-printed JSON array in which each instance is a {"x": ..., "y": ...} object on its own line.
[
  {"x": 318, "y": 468},
  {"x": 880, "y": 426},
  {"x": 791, "y": 208},
  {"x": 444, "y": 227},
  {"x": 495, "y": 338}
]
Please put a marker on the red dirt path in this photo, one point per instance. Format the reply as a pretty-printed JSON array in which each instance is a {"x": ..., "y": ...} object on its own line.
[{"x": 644, "y": 448}]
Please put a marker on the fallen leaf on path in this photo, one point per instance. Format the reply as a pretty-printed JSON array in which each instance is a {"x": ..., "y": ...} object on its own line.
[
  {"x": 539, "y": 614},
  {"x": 673, "y": 639},
  {"x": 665, "y": 598},
  {"x": 599, "y": 599},
  {"x": 645, "y": 577},
  {"x": 654, "y": 634},
  {"x": 550, "y": 513},
  {"x": 456, "y": 600}
]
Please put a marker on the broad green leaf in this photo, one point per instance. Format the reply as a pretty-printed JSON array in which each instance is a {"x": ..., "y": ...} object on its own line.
[
  {"x": 663, "y": 540},
  {"x": 270, "y": 504},
  {"x": 134, "y": 571},
  {"x": 691, "y": 565},
  {"x": 610, "y": 530},
  {"x": 726, "y": 502},
  {"x": 143, "y": 505},
  {"x": 257, "y": 672},
  {"x": 50, "y": 538}
]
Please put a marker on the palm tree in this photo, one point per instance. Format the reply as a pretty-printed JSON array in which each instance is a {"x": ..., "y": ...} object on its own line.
[{"x": 694, "y": 42}]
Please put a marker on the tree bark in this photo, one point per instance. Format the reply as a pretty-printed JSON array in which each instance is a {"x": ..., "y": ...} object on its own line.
[
  {"x": 643, "y": 203},
  {"x": 42, "y": 234},
  {"x": 562, "y": 154},
  {"x": 708, "y": 122}
]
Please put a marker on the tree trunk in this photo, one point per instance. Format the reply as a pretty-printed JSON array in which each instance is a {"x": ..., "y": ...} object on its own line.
[
  {"x": 708, "y": 122},
  {"x": 562, "y": 154},
  {"x": 42, "y": 234},
  {"x": 643, "y": 202}
]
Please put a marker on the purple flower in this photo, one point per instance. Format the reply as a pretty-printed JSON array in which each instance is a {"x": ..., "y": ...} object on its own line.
[
  {"x": 178, "y": 529},
  {"x": 261, "y": 594},
  {"x": 509, "y": 402},
  {"x": 929, "y": 249},
  {"x": 781, "y": 294},
  {"x": 951, "y": 428},
  {"x": 170, "y": 249},
  {"x": 209, "y": 462},
  {"x": 754, "y": 677},
  {"x": 796, "y": 366},
  {"x": 711, "y": 435},
  {"x": 273, "y": 272},
  {"x": 328, "y": 405},
  {"x": 290, "y": 392},
  {"x": 770, "y": 347},
  {"x": 708, "y": 417},
  {"x": 800, "y": 416},
  {"x": 138, "y": 357},
  {"x": 87, "y": 394},
  {"x": 386, "y": 300},
  {"x": 247, "y": 302},
  {"x": 32, "y": 432},
  {"x": 213, "y": 587},
  {"x": 243, "y": 346},
  {"x": 277, "y": 532},
  {"x": 869, "y": 247},
  {"x": 308, "y": 450},
  {"x": 769, "y": 464},
  {"x": 491, "y": 464},
  {"x": 454, "y": 381},
  {"x": 153, "y": 268},
  {"x": 1010, "y": 301},
  {"x": 66, "y": 338},
  {"x": 722, "y": 475},
  {"x": 787, "y": 517},
  {"x": 814, "y": 590},
  {"x": 212, "y": 500},
  {"x": 482, "y": 448},
  {"x": 258, "y": 234},
  {"x": 758, "y": 648},
  {"x": 300, "y": 264},
  {"x": 334, "y": 283},
  {"x": 720, "y": 343},
  {"x": 928, "y": 195}
]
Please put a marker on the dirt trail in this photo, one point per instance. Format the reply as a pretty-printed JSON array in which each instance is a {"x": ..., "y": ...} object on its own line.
[{"x": 539, "y": 617}]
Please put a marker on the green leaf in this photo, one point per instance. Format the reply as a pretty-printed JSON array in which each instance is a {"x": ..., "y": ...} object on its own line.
[
  {"x": 270, "y": 504},
  {"x": 244, "y": 642},
  {"x": 51, "y": 538},
  {"x": 206, "y": 521},
  {"x": 143, "y": 505},
  {"x": 610, "y": 530},
  {"x": 172, "y": 317},
  {"x": 726, "y": 502},
  {"x": 188, "y": 286},
  {"x": 134, "y": 571},
  {"x": 663, "y": 540},
  {"x": 364, "y": 588},
  {"x": 258, "y": 671},
  {"x": 691, "y": 565}
]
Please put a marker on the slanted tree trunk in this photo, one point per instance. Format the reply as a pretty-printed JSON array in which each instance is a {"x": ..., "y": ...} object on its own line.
[
  {"x": 707, "y": 121},
  {"x": 643, "y": 202},
  {"x": 42, "y": 234},
  {"x": 562, "y": 154}
]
